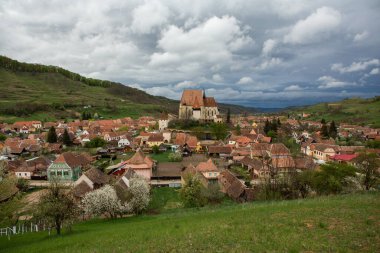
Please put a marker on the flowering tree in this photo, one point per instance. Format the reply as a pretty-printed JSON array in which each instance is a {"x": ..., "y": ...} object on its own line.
[
  {"x": 103, "y": 201},
  {"x": 139, "y": 192}
]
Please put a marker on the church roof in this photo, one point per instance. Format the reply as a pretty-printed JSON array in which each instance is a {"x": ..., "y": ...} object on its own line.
[{"x": 189, "y": 97}]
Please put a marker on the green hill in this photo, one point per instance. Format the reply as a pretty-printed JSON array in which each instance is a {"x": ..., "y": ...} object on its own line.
[
  {"x": 34, "y": 91},
  {"x": 346, "y": 223},
  {"x": 354, "y": 110}
]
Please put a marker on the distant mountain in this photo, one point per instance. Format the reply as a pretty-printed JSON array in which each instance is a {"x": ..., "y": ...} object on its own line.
[{"x": 35, "y": 91}]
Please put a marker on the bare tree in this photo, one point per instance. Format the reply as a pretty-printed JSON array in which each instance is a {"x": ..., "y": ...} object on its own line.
[{"x": 57, "y": 206}]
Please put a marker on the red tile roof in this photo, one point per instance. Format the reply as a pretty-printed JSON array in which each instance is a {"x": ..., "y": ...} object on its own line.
[{"x": 345, "y": 157}]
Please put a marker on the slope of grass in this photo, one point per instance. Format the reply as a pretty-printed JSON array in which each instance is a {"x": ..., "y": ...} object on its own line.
[
  {"x": 354, "y": 110},
  {"x": 38, "y": 92},
  {"x": 55, "y": 97},
  {"x": 347, "y": 223}
]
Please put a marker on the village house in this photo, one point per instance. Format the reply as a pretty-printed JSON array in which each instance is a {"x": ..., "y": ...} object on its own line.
[
  {"x": 27, "y": 126},
  {"x": 234, "y": 188},
  {"x": 322, "y": 151},
  {"x": 141, "y": 164},
  {"x": 195, "y": 105},
  {"x": 207, "y": 172},
  {"x": 184, "y": 139},
  {"x": 35, "y": 168},
  {"x": 344, "y": 158},
  {"x": 219, "y": 151},
  {"x": 68, "y": 166},
  {"x": 123, "y": 183},
  {"x": 155, "y": 140},
  {"x": 123, "y": 142},
  {"x": 91, "y": 180}
]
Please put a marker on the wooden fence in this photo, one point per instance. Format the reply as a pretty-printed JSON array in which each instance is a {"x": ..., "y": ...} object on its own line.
[{"x": 24, "y": 228}]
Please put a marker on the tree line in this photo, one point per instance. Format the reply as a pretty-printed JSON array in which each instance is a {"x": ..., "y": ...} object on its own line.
[{"x": 14, "y": 65}]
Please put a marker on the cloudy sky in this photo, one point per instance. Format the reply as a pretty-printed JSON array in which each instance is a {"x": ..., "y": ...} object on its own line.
[{"x": 257, "y": 53}]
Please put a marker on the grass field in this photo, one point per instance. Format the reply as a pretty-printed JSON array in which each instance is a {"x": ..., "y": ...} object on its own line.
[
  {"x": 354, "y": 110},
  {"x": 346, "y": 223}
]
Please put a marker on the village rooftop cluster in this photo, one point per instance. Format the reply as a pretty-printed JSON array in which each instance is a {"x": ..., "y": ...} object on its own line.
[{"x": 149, "y": 148}]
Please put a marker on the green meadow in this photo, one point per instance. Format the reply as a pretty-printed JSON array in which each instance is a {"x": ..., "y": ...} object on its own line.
[{"x": 345, "y": 223}]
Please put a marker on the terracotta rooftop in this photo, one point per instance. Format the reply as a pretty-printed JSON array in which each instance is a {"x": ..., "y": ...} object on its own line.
[{"x": 206, "y": 166}]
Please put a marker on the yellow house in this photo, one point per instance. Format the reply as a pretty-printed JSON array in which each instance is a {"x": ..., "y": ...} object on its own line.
[{"x": 155, "y": 140}]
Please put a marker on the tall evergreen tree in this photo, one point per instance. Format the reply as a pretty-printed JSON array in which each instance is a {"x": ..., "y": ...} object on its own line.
[
  {"x": 66, "y": 138},
  {"x": 333, "y": 132},
  {"x": 323, "y": 121},
  {"x": 273, "y": 125},
  {"x": 52, "y": 135},
  {"x": 267, "y": 127},
  {"x": 238, "y": 129},
  {"x": 278, "y": 122},
  {"x": 228, "y": 116},
  {"x": 324, "y": 131}
]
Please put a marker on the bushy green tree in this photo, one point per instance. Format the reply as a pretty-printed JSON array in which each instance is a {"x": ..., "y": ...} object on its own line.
[
  {"x": 191, "y": 193},
  {"x": 330, "y": 179},
  {"x": 52, "y": 135},
  {"x": 368, "y": 165},
  {"x": 96, "y": 143},
  {"x": 219, "y": 130},
  {"x": 155, "y": 149},
  {"x": 2, "y": 137}
]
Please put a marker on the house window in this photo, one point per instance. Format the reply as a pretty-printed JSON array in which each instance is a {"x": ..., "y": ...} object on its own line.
[
  {"x": 52, "y": 173},
  {"x": 215, "y": 174},
  {"x": 65, "y": 173},
  {"x": 25, "y": 174},
  {"x": 210, "y": 174}
]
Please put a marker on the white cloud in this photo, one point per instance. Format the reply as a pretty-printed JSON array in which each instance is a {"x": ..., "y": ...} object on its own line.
[
  {"x": 361, "y": 36},
  {"x": 328, "y": 82},
  {"x": 268, "y": 46},
  {"x": 186, "y": 85},
  {"x": 269, "y": 63},
  {"x": 375, "y": 71},
  {"x": 148, "y": 16},
  {"x": 210, "y": 43},
  {"x": 217, "y": 78},
  {"x": 293, "y": 87},
  {"x": 355, "y": 66},
  {"x": 245, "y": 80},
  {"x": 316, "y": 27}
]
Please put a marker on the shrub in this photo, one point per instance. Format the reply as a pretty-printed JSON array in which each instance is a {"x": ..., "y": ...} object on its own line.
[
  {"x": 213, "y": 194},
  {"x": 175, "y": 157},
  {"x": 22, "y": 184}
]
